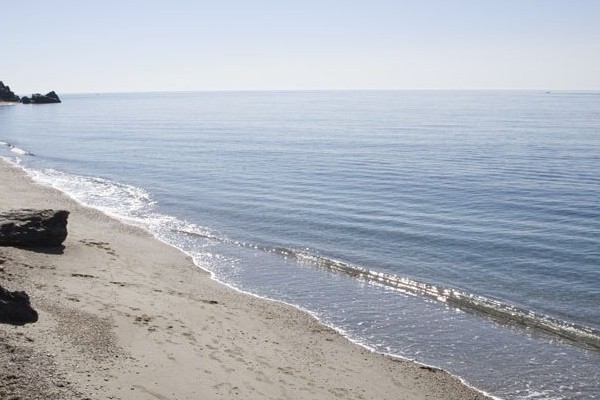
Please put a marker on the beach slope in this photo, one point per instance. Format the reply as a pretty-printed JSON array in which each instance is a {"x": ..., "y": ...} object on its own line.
[{"x": 124, "y": 316}]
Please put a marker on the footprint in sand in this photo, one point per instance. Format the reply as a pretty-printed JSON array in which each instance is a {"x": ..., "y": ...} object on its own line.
[
  {"x": 100, "y": 245},
  {"x": 83, "y": 275}
]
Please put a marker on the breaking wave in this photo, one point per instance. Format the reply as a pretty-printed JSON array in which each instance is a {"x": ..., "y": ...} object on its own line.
[
  {"x": 15, "y": 149},
  {"x": 496, "y": 310}
]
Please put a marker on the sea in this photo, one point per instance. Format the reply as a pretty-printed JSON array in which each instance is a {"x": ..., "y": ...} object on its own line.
[{"x": 459, "y": 229}]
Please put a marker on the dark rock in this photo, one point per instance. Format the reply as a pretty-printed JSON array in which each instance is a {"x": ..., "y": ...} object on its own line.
[
  {"x": 33, "y": 228},
  {"x": 37, "y": 98},
  {"x": 15, "y": 308},
  {"x": 53, "y": 95},
  {"x": 7, "y": 95}
]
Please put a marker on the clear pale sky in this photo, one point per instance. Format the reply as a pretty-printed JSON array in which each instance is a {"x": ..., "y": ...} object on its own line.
[{"x": 146, "y": 45}]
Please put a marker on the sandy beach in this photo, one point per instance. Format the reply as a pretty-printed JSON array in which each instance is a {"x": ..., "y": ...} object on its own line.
[{"x": 124, "y": 316}]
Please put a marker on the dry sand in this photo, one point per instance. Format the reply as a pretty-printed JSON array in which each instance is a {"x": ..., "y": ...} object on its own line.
[{"x": 124, "y": 316}]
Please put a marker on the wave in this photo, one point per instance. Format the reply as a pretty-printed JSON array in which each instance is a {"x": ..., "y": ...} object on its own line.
[
  {"x": 501, "y": 312},
  {"x": 135, "y": 205},
  {"x": 496, "y": 310},
  {"x": 20, "y": 151},
  {"x": 16, "y": 150},
  {"x": 108, "y": 196}
]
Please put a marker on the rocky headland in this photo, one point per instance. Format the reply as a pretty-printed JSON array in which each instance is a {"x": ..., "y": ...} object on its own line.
[{"x": 8, "y": 96}]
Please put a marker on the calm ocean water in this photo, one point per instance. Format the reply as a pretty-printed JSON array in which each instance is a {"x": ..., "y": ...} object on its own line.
[{"x": 460, "y": 229}]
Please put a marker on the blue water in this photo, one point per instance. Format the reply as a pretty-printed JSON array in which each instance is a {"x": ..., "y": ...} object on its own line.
[{"x": 460, "y": 229}]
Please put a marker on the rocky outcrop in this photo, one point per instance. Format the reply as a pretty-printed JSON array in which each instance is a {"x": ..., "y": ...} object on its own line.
[
  {"x": 15, "y": 308},
  {"x": 37, "y": 98},
  {"x": 33, "y": 228},
  {"x": 6, "y": 94}
]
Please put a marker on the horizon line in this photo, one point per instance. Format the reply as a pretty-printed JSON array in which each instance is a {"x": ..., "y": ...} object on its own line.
[{"x": 546, "y": 91}]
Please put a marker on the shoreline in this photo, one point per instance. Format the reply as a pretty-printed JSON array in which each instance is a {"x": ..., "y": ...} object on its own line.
[{"x": 123, "y": 315}]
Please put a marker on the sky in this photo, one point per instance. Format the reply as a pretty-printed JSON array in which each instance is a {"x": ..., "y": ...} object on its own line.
[{"x": 75, "y": 46}]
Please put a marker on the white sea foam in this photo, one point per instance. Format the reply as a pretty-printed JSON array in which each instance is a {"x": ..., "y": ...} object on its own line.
[
  {"x": 15, "y": 149},
  {"x": 128, "y": 203},
  {"x": 19, "y": 151},
  {"x": 110, "y": 197}
]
